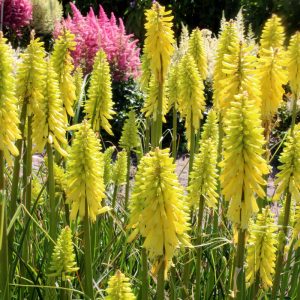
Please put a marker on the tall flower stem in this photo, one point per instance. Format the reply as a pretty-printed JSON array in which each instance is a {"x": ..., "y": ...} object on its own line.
[
  {"x": 27, "y": 168},
  {"x": 199, "y": 249},
  {"x": 282, "y": 234},
  {"x": 4, "y": 274},
  {"x": 284, "y": 229},
  {"x": 174, "y": 133},
  {"x": 145, "y": 283},
  {"x": 16, "y": 174},
  {"x": 238, "y": 280},
  {"x": 161, "y": 282},
  {"x": 88, "y": 255},
  {"x": 51, "y": 193},
  {"x": 127, "y": 180},
  {"x": 158, "y": 135},
  {"x": 187, "y": 262},
  {"x": 147, "y": 135}
]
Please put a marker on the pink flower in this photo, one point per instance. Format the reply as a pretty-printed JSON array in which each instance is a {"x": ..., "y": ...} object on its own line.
[
  {"x": 17, "y": 14},
  {"x": 93, "y": 32}
]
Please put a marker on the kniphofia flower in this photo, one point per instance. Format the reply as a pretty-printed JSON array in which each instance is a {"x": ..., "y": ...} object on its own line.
[
  {"x": 119, "y": 288},
  {"x": 9, "y": 119},
  {"x": 85, "y": 174},
  {"x": 243, "y": 166},
  {"x": 158, "y": 210},
  {"x": 203, "y": 178},
  {"x": 261, "y": 249},
  {"x": 99, "y": 106},
  {"x": 63, "y": 260}
]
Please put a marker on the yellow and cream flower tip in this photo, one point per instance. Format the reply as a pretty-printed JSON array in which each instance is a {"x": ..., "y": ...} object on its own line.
[
  {"x": 63, "y": 260},
  {"x": 130, "y": 135},
  {"x": 273, "y": 34},
  {"x": 261, "y": 249},
  {"x": 273, "y": 74},
  {"x": 99, "y": 105},
  {"x": 241, "y": 75},
  {"x": 150, "y": 108},
  {"x": 85, "y": 174},
  {"x": 293, "y": 57},
  {"x": 197, "y": 50},
  {"x": 9, "y": 118},
  {"x": 243, "y": 165},
  {"x": 203, "y": 178},
  {"x": 159, "y": 39},
  {"x": 158, "y": 209},
  {"x": 119, "y": 170},
  {"x": 228, "y": 44},
  {"x": 191, "y": 91},
  {"x": 288, "y": 177},
  {"x": 63, "y": 66},
  {"x": 31, "y": 76},
  {"x": 49, "y": 122},
  {"x": 119, "y": 288}
]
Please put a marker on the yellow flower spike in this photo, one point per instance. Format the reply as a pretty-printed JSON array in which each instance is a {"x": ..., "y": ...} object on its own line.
[
  {"x": 9, "y": 119},
  {"x": 228, "y": 44},
  {"x": 49, "y": 123},
  {"x": 151, "y": 102},
  {"x": 191, "y": 89},
  {"x": 119, "y": 288},
  {"x": 273, "y": 74},
  {"x": 158, "y": 210},
  {"x": 293, "y": 56},
  {"x": 146, "y": 72},
  {"x": 159, "y": 40},
  {"x": 203, "y": 178},
  {"x": 240, "y": 68},
  {"x": 85, "y": 174},
  {"x": 31, "y": 76},
  {"x": 99, "y": 106},
  {"x": 261, "y": 249},
  {"x": 120, "y": 168},
  {"x": 63, "y": 66},
  {"x": 197, "y": 50},
  {"x": 63, "y": 261},
  {"x": 289, "y": 175},
  {"x": 173, "y": 86},
  {"x": 130, "y": 134},
  {"x": 273, "y": 34},
  {"x": 243, "y": 166}
]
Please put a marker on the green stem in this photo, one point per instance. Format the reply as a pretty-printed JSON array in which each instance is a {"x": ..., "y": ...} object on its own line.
[
  {"x": 238, "y": 282},
  {"x": 286, "y": 276},
  {"x": 127, "y": 180},
  {"x": 27, "y": 170},
  {"x": 295, "y": 273},
  {"x": 192, "y": 148},
  {"x": 114, "y": 199},
  {"x": 161, "y": 282},
  {"x": 159, "y": 116},
  {"x": 16, "y": 177},
  {"x": 145, "y": 283},
  {"x": 298, "y": 291},
  {"x": 199, "y": 249},
  {"x": 147, "y": 135},
  {"x": 51, "y": 192},
  {"x": 282, "y": 235},
  {"x": 174, "y": 134},
  {"x": 294, "y": 114},
  {"x": 88, "y": 255},
  {"x": 4, "y": 273}
]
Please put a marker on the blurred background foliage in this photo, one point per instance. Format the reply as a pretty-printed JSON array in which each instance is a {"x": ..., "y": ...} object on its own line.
[{"x": 201, "y": 13}]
